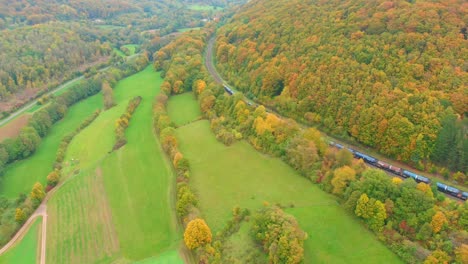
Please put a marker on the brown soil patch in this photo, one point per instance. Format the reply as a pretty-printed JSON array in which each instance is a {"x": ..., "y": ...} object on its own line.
[{"x": 13, "y": 128}]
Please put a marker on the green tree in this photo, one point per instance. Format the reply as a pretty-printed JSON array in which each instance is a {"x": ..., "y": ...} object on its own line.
[{"x": 379, "y": 214}]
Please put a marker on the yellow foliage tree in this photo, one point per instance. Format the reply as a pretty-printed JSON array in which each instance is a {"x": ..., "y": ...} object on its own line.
[
  {"x": 177, "y": 157},
  {"x": 396, "y": 181},
  {"x": 53, "y": 178},
  {"x": 20, "y": 216},
  {"x": 362, "y": 207},
  {"x": 197, "y": 234},
  {"x": 425, "y": 188},
  {"x": 438, "y": 221},
  {"x": 437, "y": 257},
  {"x": 199, "y": 86},
  {"x": 462, "y": 253},
  {"x": 37, "y": 193},
  {"x": 342, "y": 176}
]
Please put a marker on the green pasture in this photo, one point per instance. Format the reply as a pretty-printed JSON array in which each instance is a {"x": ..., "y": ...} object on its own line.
[
  {"x": 132, "y": 187},
  {"x": 25, "y": 251},
  {"x": 20, "y": 176},
  {"x": 225, "y": 177},
  {"x": 182, "y": 110},
  {"x": 171, "y": 257},
  {"x": 203, "y": 7},
  {"x": 109, "y": 27},
  {"x": 80, "y": 227},
  {"x": 188, "y": 29}
]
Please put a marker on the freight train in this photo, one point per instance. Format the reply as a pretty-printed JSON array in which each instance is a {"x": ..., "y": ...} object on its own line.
[
  {"x": 403, "y": 173},
  {"x": 452, "y": 191}
]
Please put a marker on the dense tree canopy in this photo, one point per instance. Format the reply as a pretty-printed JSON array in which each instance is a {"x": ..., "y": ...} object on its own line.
[{"x": 387, "y": 73}]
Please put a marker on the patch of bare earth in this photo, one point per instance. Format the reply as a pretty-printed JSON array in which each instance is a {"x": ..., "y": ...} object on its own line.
[{"x": 13, "y": 128}]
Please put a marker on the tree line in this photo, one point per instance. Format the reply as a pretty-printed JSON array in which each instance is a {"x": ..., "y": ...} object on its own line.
[
  {"x": 390, "y": 75},
  {"x": 14, "y": 212},
  {"x": 414, "y": 220},
  {"x": 122, "y": 123}
]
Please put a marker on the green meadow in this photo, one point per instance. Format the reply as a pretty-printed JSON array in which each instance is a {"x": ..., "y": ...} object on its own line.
[
  {"x": 26, "y": 250},
  {"x": 226, "y": 177},
  {"x": 20, "y": 176},
  {"x": 119, "y": 206},
  {"x": 203, "y": 7},
  {"x": 181, "y": 110}
]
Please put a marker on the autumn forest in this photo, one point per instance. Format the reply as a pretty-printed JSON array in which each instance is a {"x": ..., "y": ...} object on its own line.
[{"x": 232, "y": 131}]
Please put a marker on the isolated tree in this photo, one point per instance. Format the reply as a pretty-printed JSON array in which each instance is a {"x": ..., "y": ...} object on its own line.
[
  {"x": 37, "y": 193},
  {"x": 20, "y": 216},
  {"x": 438, "y": 221},
  {"x": 197, "y": 234}
]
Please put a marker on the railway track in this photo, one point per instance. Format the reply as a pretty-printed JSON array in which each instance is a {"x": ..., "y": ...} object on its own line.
[{"x": 217, "y": 77}]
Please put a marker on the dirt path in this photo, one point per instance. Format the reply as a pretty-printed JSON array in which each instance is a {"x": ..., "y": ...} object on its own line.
[{"x": 40, "y": 211}]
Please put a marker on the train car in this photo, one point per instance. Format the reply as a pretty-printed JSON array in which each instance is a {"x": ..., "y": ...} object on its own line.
[
  {"x": 395, "y": 169},
  {"x": 351, "y": 150},
  {"x": 383, "y": 165},
  {"x": 336, "y": 145},
  {"x": 448, "y": 189},
  {"x": 416, "y": 177},
  {"x": 365, "y": 157},
  {"x": 464, "y": 196},
  {"x": 228, "y": 90}
]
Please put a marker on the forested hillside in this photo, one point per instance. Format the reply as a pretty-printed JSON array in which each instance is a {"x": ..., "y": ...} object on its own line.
[
  {"x": 36, "y": 57},
  {"x": 45, "y": 43},
  {"x": 390, "y": 74},
  {"x": 41, "y": 11}
]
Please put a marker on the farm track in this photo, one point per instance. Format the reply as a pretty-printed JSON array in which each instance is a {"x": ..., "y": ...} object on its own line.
[
  {"x": 40, "y": 211},
  {"x": 217, "y": 77}
]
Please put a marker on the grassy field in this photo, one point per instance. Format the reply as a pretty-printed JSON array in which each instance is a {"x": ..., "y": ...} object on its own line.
[
  {"x": 20, "y": 176},
  {"x": 80, "y": 228},
  {"x": 188, "y": 29},
  {"x": 26, "y": 250},
  {"x": 131, "y": 218},
  {"x": 131, "y": 47},
  {"x": 225, "y": 177},
  {"x": 203, "y": 7},
  {"x": 181, "y": 112}
]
